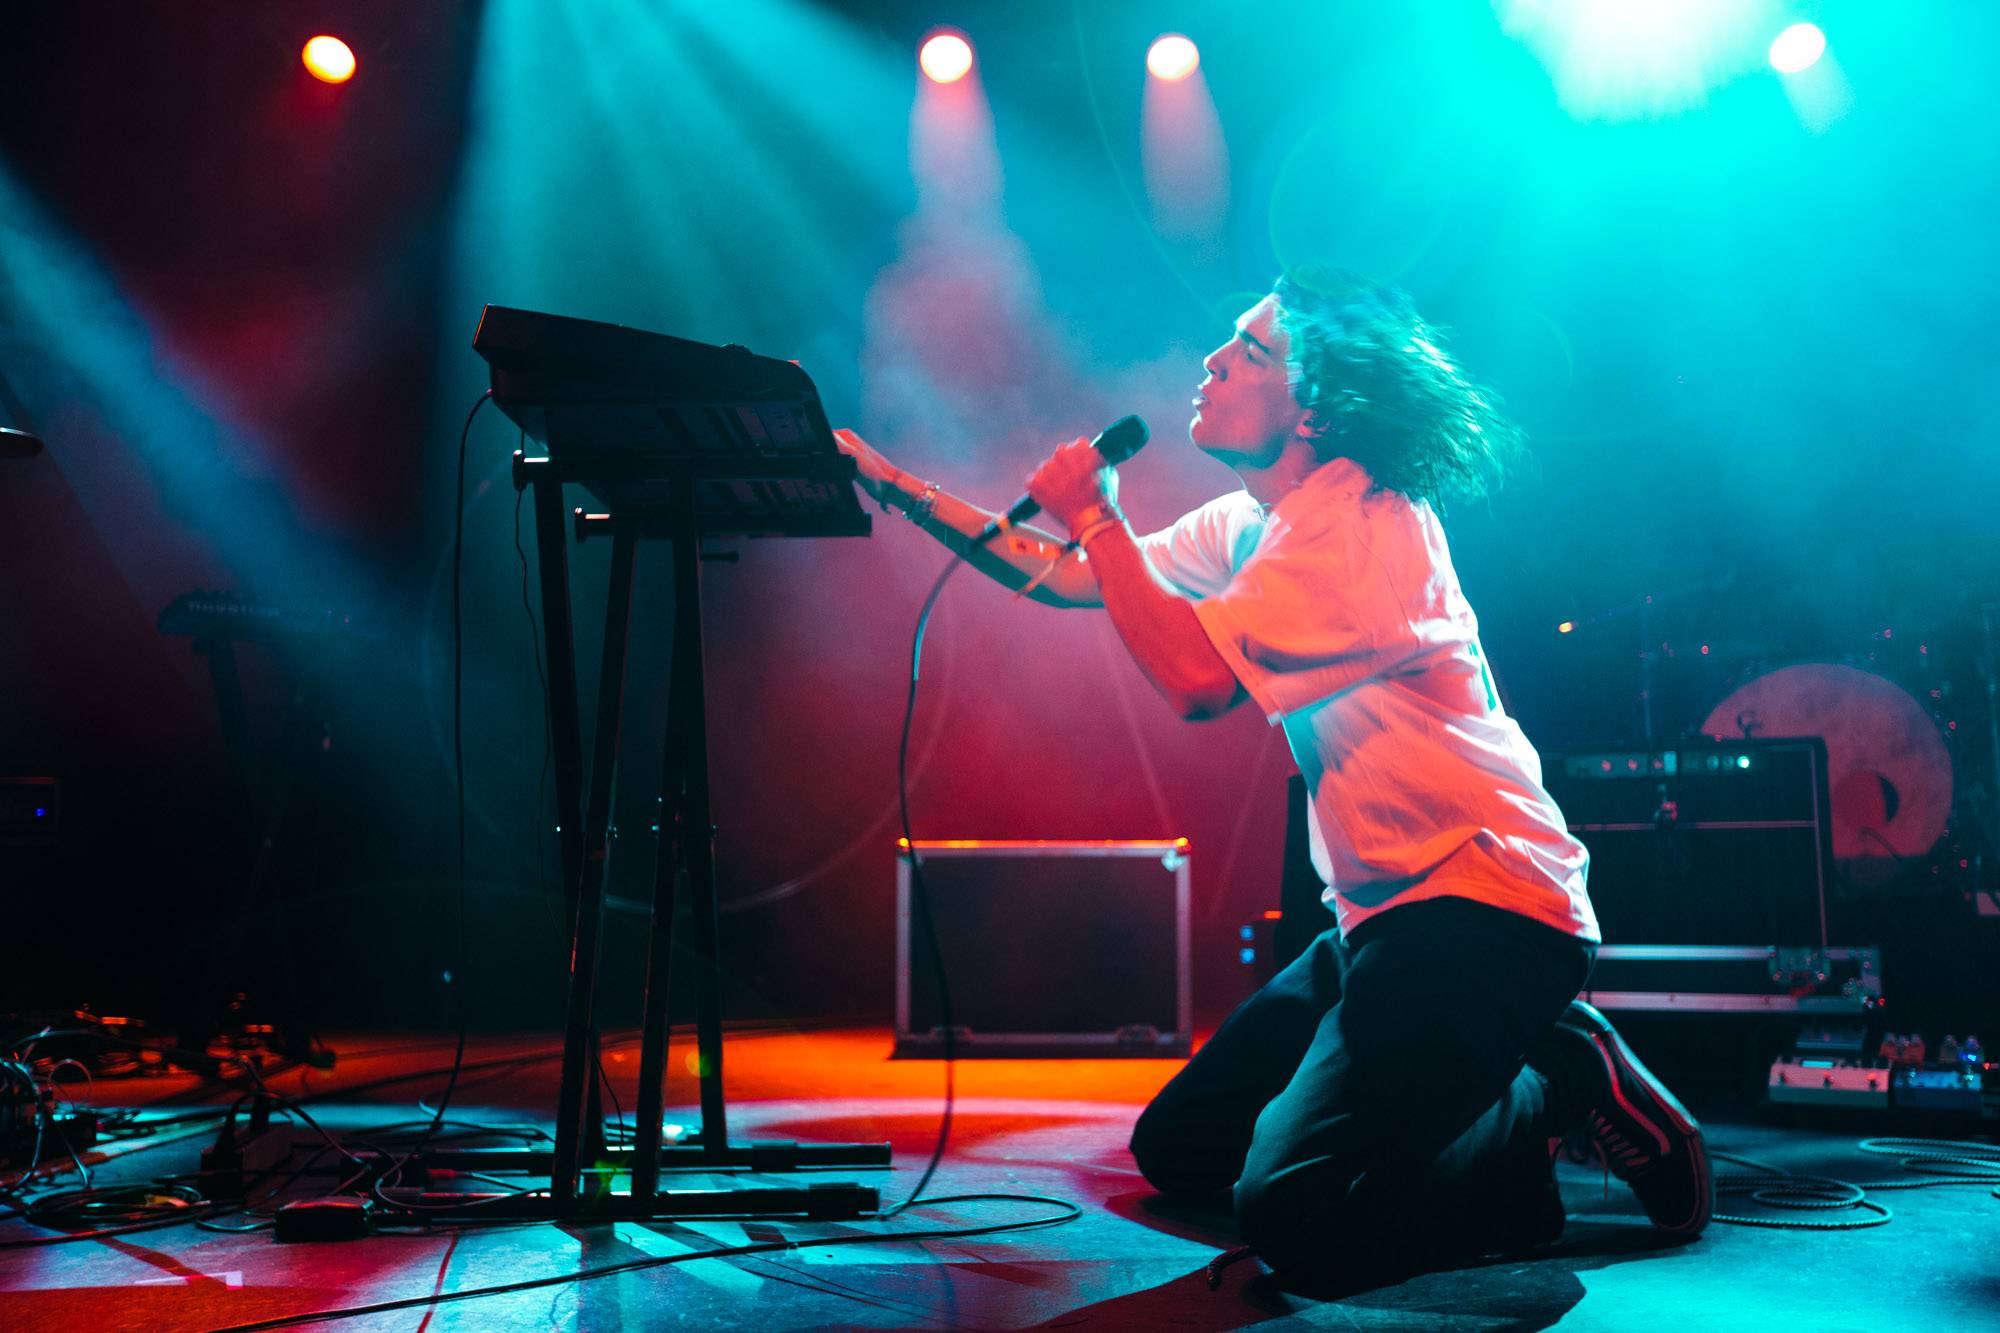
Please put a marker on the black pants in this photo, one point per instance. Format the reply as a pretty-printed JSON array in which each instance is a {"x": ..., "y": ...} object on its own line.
[{"x": 1370, "y": 1106}]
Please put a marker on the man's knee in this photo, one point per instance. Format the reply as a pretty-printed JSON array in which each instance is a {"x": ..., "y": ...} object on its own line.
[
  {"x": 1176, "y": 1157},
  {"x": 1266, "y": 1214},
  {"x": 1146, "y": 1146},
  {"x": 1323, "y": 1228},
  {"x": 1160, "y": 1153},
  {"x": 1293, "y": 1226},
  {"x": 1313, "y": 1236}
]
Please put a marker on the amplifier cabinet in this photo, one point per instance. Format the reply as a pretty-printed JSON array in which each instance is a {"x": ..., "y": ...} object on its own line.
[
  {"x": 1076, "y": 948},
  {"x": 1703, "y": 842}
]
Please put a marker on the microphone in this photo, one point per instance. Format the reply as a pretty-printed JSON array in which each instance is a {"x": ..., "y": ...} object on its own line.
[
  {"x": 18, "y": 443},
  {"x": 1120, "y": 440}
]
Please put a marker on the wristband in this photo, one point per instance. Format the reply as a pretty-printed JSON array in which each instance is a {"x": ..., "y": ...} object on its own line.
[
  {"x": 1082, "y": 539},
  {"x": 1093, "y": 515}
]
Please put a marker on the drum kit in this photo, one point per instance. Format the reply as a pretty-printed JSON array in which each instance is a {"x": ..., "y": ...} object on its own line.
[{"x": 1912, "y": 731}]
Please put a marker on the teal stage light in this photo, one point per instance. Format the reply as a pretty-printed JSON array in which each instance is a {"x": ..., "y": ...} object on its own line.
[
  {"x": 146, "y": 449},
  {"x": 1620, "y": 59},
  {"x": 1797, "y": 48}
]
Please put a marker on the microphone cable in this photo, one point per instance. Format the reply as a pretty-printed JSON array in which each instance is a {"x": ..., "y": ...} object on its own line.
[
  {"x": 1124, "y": 437},
  {"x": 454, "y": 975},
  {"x": 920, "y": 897}
]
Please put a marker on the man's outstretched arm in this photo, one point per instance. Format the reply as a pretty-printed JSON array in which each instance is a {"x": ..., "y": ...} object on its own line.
[{"x": 1014, "y": 559}]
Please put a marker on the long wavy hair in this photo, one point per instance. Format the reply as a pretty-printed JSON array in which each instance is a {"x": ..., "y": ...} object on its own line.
[{"x": 1387, "y": 394}]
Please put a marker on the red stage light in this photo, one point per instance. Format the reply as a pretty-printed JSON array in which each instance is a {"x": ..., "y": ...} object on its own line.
[
  {"x": 328, "y": 59},
  {"x": 946, "y": 57}
]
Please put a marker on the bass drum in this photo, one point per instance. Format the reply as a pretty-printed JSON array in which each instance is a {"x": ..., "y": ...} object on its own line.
[{"x": 1888, "y": 771}]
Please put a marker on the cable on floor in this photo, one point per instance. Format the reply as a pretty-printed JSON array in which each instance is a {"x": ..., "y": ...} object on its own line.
[{"x": 1932, "y": 1162}]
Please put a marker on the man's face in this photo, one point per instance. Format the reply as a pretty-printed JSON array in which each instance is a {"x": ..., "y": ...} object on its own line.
[{"x": 1245, "y": 411}]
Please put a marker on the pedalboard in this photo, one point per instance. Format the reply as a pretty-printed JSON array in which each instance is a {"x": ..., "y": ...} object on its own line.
[{"x": 1897, "y": 1078}]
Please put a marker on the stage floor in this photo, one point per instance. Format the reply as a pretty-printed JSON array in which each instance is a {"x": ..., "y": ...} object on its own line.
[{"x": 1054, "y": 1128}]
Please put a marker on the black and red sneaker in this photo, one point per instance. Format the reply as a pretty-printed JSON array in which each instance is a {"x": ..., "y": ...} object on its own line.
[{"x": 1646, "y": 1136}]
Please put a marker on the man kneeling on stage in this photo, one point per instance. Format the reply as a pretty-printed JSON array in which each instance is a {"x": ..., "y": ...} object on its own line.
[{"x": 1323, "y": 590}]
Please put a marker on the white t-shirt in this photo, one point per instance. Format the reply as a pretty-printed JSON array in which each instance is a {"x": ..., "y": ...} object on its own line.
[{"x": 1340, "y": 612}]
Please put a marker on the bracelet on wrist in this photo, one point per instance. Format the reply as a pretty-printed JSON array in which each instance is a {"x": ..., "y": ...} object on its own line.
[{"x": 921, "y": 506}]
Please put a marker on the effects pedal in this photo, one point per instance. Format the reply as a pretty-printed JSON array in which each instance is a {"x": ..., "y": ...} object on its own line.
[{"x": 1819, "y": 1080}]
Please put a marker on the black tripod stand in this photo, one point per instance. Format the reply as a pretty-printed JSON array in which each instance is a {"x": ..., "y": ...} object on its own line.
[{"x": 681, "y": 440}]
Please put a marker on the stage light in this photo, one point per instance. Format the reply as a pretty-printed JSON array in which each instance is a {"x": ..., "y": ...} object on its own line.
[
  {"x": 328, "y": 59},
  {"x": 1797, "y": 48},
  {"x": 1173, "y": 57},
  {"x": 1183, "y": 155},
  {"x": 1616, "y": 59},
  {"x": 946, "y": 57}
]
